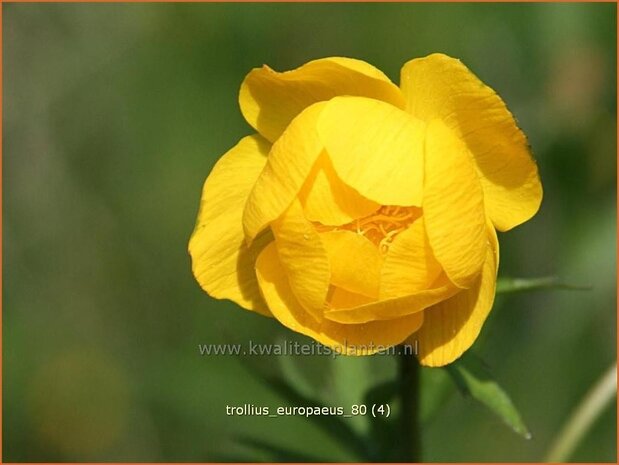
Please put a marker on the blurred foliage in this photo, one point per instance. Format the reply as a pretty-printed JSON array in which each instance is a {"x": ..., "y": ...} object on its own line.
[
  {"x": 474, "y": 380},
  {"x": 114, "y": 115}
]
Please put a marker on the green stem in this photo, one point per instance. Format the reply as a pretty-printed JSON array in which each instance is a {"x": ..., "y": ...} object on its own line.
[
  {"x": 593, "y": 404},
  {"x": 410, "y": 439}
]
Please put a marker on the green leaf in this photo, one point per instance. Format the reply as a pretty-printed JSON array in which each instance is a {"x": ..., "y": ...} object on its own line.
[
  {"x": 507, "y": 285},
  {"x": 473, "y": 379}
]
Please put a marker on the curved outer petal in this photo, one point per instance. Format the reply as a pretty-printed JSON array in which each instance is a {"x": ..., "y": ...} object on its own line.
[
  {"x": 375, "y": 148},
  {"x": 354, "y": 260},
  {"x": 409, "y": 265},
  {"x": 270, "y": 100},
  {"x": 221, "y": 261},
  {"x": 326, "y": 199},
  {"x": 453, "y": 206},
  {"x": 394, "y": 308},
  {"x": 441, "y": 87},
  {"x": 304, "y": 259},
  {"x": 361, "y": 339},
  {"x": 289, "y": 164},
  {"x": 452, "y": 326}
]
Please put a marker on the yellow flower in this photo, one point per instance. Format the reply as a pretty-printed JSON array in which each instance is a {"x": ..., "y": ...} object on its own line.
[{"x": 363, "y": 214}]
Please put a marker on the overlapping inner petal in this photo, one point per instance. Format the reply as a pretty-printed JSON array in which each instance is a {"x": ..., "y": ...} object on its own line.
[
  {"x": 355, "y": 262},
  {"x": 375, "y": 148},
  {"x": 304, "y": 258},
  {"x": 328, "y": 200},
  {"x": 453, "y": 206},
  {"x": 409, "y": 264},
  {"x": 349, "y": 338},
  {"x": 382, "y": 267},
  {"x": 364, "y": 269}
]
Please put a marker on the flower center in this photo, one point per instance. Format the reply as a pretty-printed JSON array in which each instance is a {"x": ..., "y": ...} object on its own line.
[{"x": 382, "y": 226}]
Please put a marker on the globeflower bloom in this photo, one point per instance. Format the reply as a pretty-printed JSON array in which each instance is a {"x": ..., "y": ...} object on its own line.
[{"x": 363, "y": 214}]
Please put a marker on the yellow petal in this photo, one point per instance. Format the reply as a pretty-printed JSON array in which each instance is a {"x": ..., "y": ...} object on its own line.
[
  {"x": 440, "y": 87},
  {"x": 304, "y": 259},
  {"x": 326, "y": 199},
  {"x": 396, "y": 307},
  {"x": 409, "y": 265},
  {"x": 270, "y": 100},
  {"x": 453, "y": 206},
  {"x": 341, "y": 298},
  {"x": 221, "y": 261},
  {"x": 355, "y": 262},
  {"x": 361, "y": 339},
  {"x": 452, "y": 326},
  {"x": 289, "y": 164},
  {"x": 375, "y": 148}
]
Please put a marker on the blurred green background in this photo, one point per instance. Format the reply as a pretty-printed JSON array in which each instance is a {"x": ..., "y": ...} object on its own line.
[{"x": 114, "y": 115}]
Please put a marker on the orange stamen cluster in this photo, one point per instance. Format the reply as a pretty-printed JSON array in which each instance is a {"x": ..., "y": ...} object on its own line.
[{"x": 382, "y": 226}]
